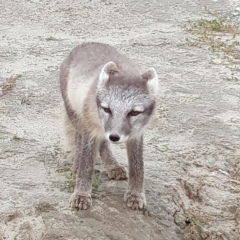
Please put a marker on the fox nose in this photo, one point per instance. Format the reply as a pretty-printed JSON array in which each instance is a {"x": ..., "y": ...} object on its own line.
[{"x": 114, "y": 137}]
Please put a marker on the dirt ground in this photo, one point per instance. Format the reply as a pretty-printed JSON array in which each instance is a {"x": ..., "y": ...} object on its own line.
[{"x": 192, "y": 155}]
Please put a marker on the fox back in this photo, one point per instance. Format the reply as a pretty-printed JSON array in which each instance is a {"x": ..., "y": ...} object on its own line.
[{"x": 105, "y": 94}]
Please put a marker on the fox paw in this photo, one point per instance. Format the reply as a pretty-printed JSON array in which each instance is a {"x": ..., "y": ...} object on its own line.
[
  {"x": 117, "y": 173},
  {"x": 135, "y": 201},
  {"x": 80, "y": 201}
]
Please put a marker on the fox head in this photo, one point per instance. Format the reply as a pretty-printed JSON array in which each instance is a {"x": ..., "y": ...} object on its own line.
[{"x": 125, "y": 101}]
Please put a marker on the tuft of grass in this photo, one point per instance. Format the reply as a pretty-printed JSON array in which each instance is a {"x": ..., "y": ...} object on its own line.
[
  {"x": 16, "y": 138},
  {"x": 218, "y": 24},
  {"x": 69, "y": 183},
  {"x": 56, "y": 148},
  {"x": 96, "y": 182},
  {"x": 197, "y": 224},
  {"x": 8, "y": 85},
  {"x": 44, "y": 207},
  {"x": 219, "y": 34}
]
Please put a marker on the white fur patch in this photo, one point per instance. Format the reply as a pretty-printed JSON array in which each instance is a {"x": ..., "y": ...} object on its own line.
[
  {"x": 138, "y": 109},
  {"x": 77, "y": 90},
  {"x": 104, "y": 105}
]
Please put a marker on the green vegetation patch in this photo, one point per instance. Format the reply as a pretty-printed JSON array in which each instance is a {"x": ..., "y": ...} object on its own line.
[{"x": 219, "y": 34}]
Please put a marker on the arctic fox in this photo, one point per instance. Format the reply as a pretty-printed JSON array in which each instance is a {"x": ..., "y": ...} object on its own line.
[{"x": 106, "y": 99}]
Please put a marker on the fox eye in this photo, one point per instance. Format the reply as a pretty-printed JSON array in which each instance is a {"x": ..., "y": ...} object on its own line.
[
  {"x": 134, "y": 113},
  {"x": 107, "y": 110}
]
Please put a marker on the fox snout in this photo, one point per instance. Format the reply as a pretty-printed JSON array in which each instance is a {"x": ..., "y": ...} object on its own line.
[{"x": 116, "y": 138}]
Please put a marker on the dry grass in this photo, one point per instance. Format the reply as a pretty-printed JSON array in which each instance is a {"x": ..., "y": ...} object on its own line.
[
  {"x": 220, "y": 35},
  {"x": 8, "y": 85},
  {"x": 69, "y": 183},
  {"x": 198, "y": 225}
]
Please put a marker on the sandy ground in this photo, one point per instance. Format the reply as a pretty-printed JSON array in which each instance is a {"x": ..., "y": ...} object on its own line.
[{"x": 192, "y": 154}]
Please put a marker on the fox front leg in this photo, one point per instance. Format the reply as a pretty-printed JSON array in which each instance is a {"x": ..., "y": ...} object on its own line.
[
  {"x": 84, "y": 157},
  {"x": 135, "y": 196}
]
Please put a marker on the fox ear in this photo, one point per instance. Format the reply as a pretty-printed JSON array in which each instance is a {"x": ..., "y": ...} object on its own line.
[
  {"x": 108, "y": 68},
  {"x": 152, "y": 80}
]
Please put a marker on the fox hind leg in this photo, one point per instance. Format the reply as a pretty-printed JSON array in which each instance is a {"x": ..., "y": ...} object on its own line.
[
  {"x": 115, "y": 171},
  {"x": 86, "y": 149},
  {"x": 70, "y": 135}
]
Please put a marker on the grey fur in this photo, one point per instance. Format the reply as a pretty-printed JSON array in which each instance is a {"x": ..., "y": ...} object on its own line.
[{"x": 105, "y": 95}]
